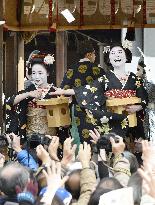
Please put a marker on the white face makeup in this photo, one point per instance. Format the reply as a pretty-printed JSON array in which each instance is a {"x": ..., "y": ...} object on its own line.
[
  {"x": 39, "y": 75},
  {"x": 117, "y": 56}
]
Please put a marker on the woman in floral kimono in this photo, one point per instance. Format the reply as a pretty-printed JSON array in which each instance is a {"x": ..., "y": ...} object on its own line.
[
  {"x": 23, "y": 115},
  {"x": 149, "y": 120},
  {"x": 115, "y": 83}
]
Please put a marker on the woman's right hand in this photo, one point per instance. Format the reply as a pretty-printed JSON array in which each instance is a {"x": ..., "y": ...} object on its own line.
[{"x": 35, "y": 93}]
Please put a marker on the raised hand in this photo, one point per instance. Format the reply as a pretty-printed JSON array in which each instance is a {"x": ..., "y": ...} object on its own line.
[
  {"x": 53, "y": 147},
  {"x": 53, "y": 175},
  {"x": 117, "y": 147},
  {"x": 14, "y": 141},
  {"x": 43, "y": 155},
  {"x": 54, "y": 181},
  {"x": 95, "y": 135},
  {"x": 84, "y": 154},
  {"x": 148, "y": 154},
  {"x": 149, "y": 181},
  {"x": 68, "y": 151}
]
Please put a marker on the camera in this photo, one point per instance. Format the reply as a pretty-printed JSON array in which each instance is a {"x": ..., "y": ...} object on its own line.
[
  {"x": 36, "y": 139},
  {"x": 104, "y": 142}
]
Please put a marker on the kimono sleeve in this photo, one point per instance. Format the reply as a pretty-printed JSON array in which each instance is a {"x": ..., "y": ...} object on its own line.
[
  {"x": 68, "y": 79},
  {"x": 92, "y": 97},
  {"x": 15, "y": 112},
  {"x": 11, "y": 116},
  {"x": 141, "y": 92}
]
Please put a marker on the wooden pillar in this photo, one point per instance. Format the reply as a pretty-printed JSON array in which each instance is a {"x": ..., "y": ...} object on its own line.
[
  {"x": 61, "y": 56},
  {"x": 20, "y": 64},
  {"x": 11, "y": 65},
  {"x": 1, "y": 68}
]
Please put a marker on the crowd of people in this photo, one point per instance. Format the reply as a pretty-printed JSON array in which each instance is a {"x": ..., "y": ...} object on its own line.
[
  {"x": 88, "y": 178},
  {"x": 95, "y": 165}
]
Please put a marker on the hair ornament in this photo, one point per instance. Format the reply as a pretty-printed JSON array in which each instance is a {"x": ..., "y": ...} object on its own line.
[
  {"x": 49, "y": 59},
  {"x": 38, "y": 55},
  {"x": 127, "y": 44},
  {"x": 106, "y": 49}
]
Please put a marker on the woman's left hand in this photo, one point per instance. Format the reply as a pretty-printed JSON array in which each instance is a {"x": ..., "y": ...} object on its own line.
[
  {"x": 58, "y": 91},
  {"x": 133, "y": 108}
]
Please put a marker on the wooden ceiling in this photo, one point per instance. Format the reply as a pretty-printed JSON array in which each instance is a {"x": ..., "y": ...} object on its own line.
[{"x": 30, "y": 15}]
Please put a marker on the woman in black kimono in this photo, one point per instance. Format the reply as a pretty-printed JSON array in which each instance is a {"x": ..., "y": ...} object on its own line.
[
  {"x": 115, "y": 83},
  {"x": 23, "y": 115}
]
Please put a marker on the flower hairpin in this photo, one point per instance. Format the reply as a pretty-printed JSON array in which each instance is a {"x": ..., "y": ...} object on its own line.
[
  {"x": 127, "y": 44},
  {"x": 49, "y": 59}
]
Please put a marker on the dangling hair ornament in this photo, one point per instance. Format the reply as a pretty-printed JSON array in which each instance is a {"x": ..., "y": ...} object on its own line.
[
  {"x": 106, "y": 49},
  {"x": 49, "y": 59},
  {"x": 127, "y": 44}
]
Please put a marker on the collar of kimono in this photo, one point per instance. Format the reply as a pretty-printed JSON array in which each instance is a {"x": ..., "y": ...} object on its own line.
[{"x": 83, "y": 60}]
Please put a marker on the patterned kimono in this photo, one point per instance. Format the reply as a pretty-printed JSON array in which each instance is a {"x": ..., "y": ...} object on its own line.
[
  {"x": 27, "y": 117},
  {"x": 93, "y": 98},
  {"x": 149, "y": 122},
  {"x": 80, "y": 74}
]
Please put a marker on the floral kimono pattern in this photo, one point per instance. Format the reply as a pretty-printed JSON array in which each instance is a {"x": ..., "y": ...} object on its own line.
[
  {"x": 149, "y": 121},
  {"x": 78, "y": 75},
  {"x": 93, "y": 99},
  {"x": 16, "y": 116}
]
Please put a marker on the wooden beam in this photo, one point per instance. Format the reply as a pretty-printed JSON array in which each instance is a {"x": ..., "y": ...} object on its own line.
[
  {"x": 11, "y": 65},
  {"x": 85, "y": 27},
  {"x": 1, "y": 68},
  {"x": 20, "y": 64},
  {"x": 61, "y": 56}
]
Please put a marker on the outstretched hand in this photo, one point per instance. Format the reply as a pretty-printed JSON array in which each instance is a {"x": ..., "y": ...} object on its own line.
[
  {"x": 58, "y": 91},
  {"x": 149, "y": 181},
  {"x": 53, "y": 176},
  {"x": 84, "y": 154},
  {"x": 43, "y": 155},
  {"x": 133, "y": 108},
  {"x": 53, "y": 147},
  {"x": 117, "y": 147},
  {"x": 36, "y": 93},
  {"x": 14, "y": 141},
  {"x": 95, "y": 135},
  {"x": 68, "y": 151}
]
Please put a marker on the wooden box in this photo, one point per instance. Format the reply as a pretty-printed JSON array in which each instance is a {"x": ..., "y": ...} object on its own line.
[
  {"x": 58, "y": 114},
  {"x": 117, "y": 105}
]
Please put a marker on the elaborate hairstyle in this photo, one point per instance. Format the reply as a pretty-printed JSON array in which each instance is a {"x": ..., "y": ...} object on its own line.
[
  {"x": 85, "y": 47},
  {"x": 107, "y": 52},
  {"x": 32, "y": 53},
  {"x": 43, "y": 59}
]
